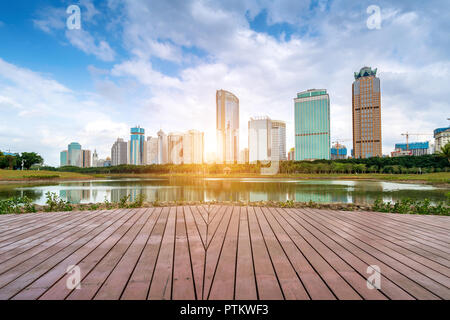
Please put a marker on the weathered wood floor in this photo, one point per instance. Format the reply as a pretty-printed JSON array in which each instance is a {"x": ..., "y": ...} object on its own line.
[{"x": 223, "y": 252}]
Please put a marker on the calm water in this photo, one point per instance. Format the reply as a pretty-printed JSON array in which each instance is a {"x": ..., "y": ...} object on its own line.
[{"x": 232, "y": 189}]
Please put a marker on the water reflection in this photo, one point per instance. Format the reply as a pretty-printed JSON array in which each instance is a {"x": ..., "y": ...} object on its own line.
[{"x": 233, "y": 189}]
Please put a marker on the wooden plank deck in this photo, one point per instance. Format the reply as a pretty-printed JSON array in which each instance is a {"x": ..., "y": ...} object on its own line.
[{"x": 224, "y": 252}]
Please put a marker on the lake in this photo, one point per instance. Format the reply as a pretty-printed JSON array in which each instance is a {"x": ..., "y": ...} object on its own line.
[{"x": 226, "y": 189}]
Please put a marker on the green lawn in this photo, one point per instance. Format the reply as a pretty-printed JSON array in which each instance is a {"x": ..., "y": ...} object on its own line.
[{"x": 33, "y": 175}]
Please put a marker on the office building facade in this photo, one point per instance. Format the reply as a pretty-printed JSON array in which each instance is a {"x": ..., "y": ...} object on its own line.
[
  {"x": 441, "y": 138},
  {"x": 312, "y": 125},
  {"x": 366, "y": 112},
  {"x": 278, "y": 140},
  {"x": 151, "y": 150},
  {"x": 136, "y": 146},
  {"x": 175, "y": 147},
  {"x": 119, "y": 152},
  {"x": 74, "y": 154},
  {"x": 63, "y": 158},
  {"x": 86, "y": 158},
  {"x": 259, "y": 139},
  {"x": 227, "y": 125},
  {"x": 163, "y": 148},
  {"x": 193, "y": 147}
]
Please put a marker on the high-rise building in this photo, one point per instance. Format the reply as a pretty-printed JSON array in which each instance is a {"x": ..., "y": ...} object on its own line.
[
  {"x": 366, "y": 111},
  {"x": 151, "y": 149},
  {"x": 278, "y": 140},
  {"x": 193, "y": 147},
  {"x": 441, "y": 138},
  {"x": 136, "y": 146},
  {"x": 291, "y": 154},
  {"x": 338, "y": 151},
  {"x": 175, "y": 146},
  {"x": 227, "y": 125},
  {"x": 86, "y": 158},
  {"x": 312, "y": 125},
  {"x": 416, "y": 148},
  {"x": 243, "y": 156},
  {"x": 163, "y": 148},
  {"x": 63, "y": 158},
  {"x": 74, "y": 154},
  {"x": 95, "y": 159},
  {"x": 259, "y": 139},
  {"x": 119, "y": 152}
]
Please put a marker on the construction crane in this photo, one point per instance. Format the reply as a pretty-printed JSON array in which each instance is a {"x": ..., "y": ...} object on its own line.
[
  {"x": 338, "y": 143},
  {"x": 407, "y": 134}
]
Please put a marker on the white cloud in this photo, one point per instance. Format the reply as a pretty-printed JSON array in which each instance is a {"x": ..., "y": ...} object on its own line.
[{"x": 85, "y": 42}]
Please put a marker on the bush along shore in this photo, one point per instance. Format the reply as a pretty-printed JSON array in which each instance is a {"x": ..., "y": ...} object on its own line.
[{"x": 56, "y": 204}]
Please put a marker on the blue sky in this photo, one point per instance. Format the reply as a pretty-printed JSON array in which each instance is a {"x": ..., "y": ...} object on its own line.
[{"x": 159, "y": 63}]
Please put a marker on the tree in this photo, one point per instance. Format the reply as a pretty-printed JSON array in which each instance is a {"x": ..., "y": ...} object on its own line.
[
  {"x": 30, "y": 158},
  {"x": 445, "y": 151}
]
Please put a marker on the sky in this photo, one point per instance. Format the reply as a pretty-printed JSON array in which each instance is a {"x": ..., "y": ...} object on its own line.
[{"x": 158, "y": 64}]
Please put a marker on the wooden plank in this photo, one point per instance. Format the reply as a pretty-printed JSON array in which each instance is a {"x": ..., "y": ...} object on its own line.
[
  {"x": 290, "y": 283},
  {"x": 116, "y": 282},
  {"x": 37, "y": 280},
  {"x": 386, "y": 254},
  {"x": 161, "y": 285},
  {"x": 201, "y": 226},
  {"x": 335, "y": 281},
  {"x": 404, "y": 250},
  {"x": 214, "y": 250},
  {"x": 93, "y": 281},
  {"x": 91, "y": 253},
  {"x": 197, "y": 251},
  {"x": 401, "y": 280},
  {"x": 214, "y": 224},
  {"x": 245, "y": 271},
  {"x": 139, "y": 283},
  {"x": 266, "y": 279},
  {"x": 316, "y": 287},
  {"x": 40, "y": 252},
  {"x": 183, "y": 283},
  {"x": 222, "y": 287},
  {"x": 389, "y": 288}
]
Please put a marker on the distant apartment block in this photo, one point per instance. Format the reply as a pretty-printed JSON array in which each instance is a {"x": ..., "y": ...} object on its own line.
[
  {"x": 278, "y": 140},
  {"x": 259, "y": 139},
  {"x": 366, "y": 112},
  {"x": 86, "y": 158},
  {"x": 175, "y": 145},
  {"x": 136, "y": 146},
  {"x": 291, "y": 154},
  {"x": 338, "y": 151},
  {"x": 243, "y": 156},
  {"x": 163, "y": 148},
  {"x": 95, "y": 159},
  {"x": 227, "y": 125},
  {"x": 413, "y": 148},
  {"x": 312, "y": 125},
  {"x": 193, "y": 147},
  {"x": 63, "y": 158},
  {"x": 441, "y": 138},
  {"x": 151, "y": 150},
  {"x": 119, "y": 152}
]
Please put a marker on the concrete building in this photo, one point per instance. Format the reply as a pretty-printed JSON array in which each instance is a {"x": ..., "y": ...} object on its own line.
[
  {"x": 312, "y": 125},
  {"x": 278, "y": 140},
  {"x": 86, "y": 158},
  {"x": 415, "y": 148},
  {"x": 243, "y": 156},
  {"x": 291, "y": 154},
  {"x": 119, "y": 152},
  {"x": 95, "y": 159},
  {"x": 338, "y": 151},
  {"x": 366, "y": 111},
  {"x": 441, "y": 138},
  {"x": 151, "y": 150},
  {"x": 193, "y": 147},
  {"x": 136, "y": 146},
  {"x": 74, "y": 154},
  {"x": 63, "y": 158},
  {"x": 163, "y": 148},
  {"x": 259, "y": 139},
  {"x": 175, "y": 147},
  {"x": 227, "y": 125}
]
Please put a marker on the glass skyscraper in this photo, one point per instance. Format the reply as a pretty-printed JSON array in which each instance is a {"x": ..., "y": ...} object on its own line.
[
  {"x": 366, "y": 105},
  {"x": 312, "y": 125},
  {"x": 74, "y": 154},
  {"x": 227, "y": 125},
  {"x": 136, "y": 146}
]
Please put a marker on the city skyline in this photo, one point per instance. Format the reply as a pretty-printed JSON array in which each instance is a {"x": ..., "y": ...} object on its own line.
[{"x": 92, "y": 84}]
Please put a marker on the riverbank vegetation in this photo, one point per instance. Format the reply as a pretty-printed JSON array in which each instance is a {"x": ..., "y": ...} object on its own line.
[
  {"x": 34, "y": 175},
  {"x": 56, "y": 204}
]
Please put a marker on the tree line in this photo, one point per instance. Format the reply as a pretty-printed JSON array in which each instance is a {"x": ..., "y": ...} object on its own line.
[
  {"x": 407, "y": 164},
  {"x": 18, "y": 161}
]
